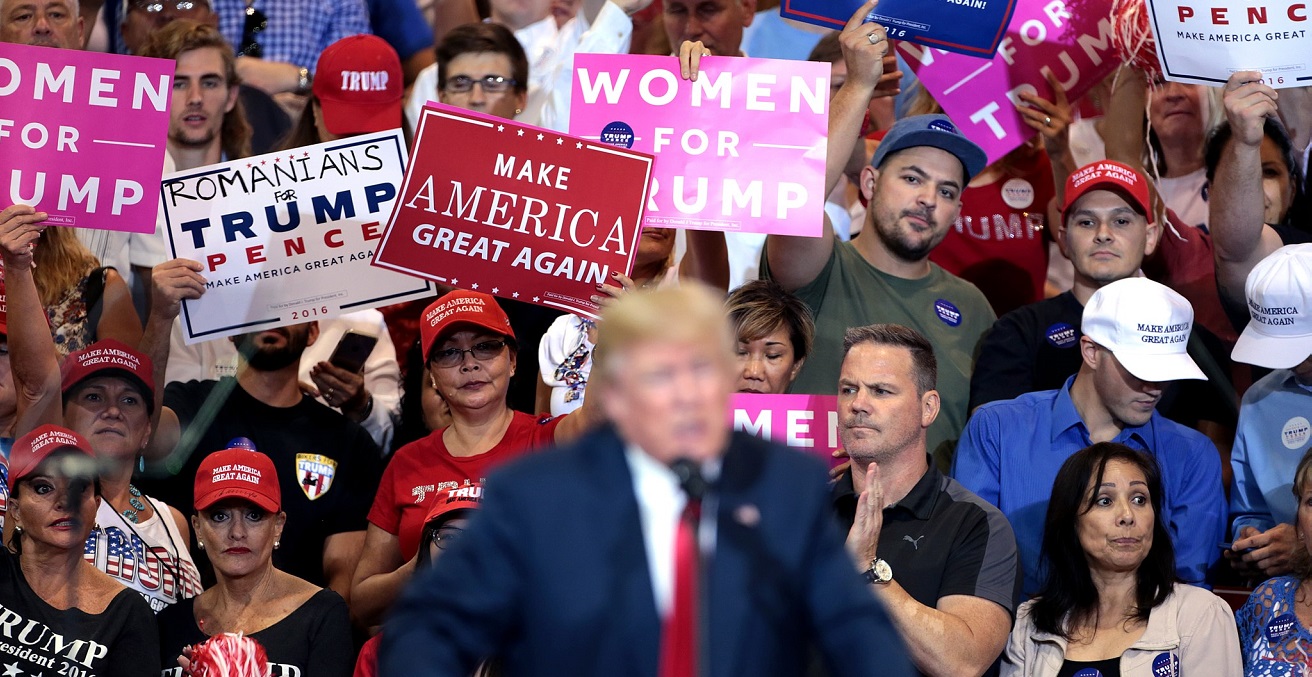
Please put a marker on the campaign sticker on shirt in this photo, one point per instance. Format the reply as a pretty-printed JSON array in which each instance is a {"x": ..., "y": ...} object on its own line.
[
  {"x": 947, "y": 312},
  {"x": 1061, "y": 335},
  {"x": 1089, "y": 672},
  {"x": 1018, "y": 193},
  {"x": 1166, "y": 664},
  {"x": 617, "y": 134},
  {"x": 1295, "y": 432},
  {"x": 1280, "y": 627}
]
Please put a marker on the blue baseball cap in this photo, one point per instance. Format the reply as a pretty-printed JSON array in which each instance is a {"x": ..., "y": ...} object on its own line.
[{"x": 935, "y": 131}]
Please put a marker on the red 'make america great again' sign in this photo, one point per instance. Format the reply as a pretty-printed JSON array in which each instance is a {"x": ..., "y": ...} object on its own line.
[{"x": 516, "y": 211}]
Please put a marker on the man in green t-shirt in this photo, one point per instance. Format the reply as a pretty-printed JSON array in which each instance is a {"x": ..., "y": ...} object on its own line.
[{"x": 914, "y": 185}]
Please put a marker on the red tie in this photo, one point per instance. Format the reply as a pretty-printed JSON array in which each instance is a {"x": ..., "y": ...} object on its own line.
[{"x": 679, "y": 636}]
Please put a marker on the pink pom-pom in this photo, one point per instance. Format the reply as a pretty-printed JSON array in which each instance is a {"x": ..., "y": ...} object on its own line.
[
  {"x": 1132, "y": 36},
  {"x": 229, "y": 655}
]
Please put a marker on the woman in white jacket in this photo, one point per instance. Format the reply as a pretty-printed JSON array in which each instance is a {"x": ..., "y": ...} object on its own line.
[{"x": 1110, "y": 605}]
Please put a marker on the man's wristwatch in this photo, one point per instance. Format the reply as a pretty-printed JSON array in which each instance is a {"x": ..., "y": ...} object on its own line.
[{"x": 879, "y": 572}]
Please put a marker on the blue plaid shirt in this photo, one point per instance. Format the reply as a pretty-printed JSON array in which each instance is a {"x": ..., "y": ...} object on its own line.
[{"x": 298, "y": 30}]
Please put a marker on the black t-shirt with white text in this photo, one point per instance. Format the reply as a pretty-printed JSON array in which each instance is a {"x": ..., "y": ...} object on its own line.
[
  {"x": 38, "y": 639},
  {"x": 312, "y": 641}
]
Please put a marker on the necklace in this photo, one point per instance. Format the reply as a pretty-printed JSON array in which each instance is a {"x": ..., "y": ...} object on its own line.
[{"x": 134, "y": 500}]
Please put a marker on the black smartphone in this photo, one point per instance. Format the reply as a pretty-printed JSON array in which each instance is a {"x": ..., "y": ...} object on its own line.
[{"x": 352, "y": 351}]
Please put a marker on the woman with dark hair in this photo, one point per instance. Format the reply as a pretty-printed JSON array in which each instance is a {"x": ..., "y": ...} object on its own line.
[
  {"x": 470, "y": 352},
  {"x": 1111, "y": 604},
  {"x": 75, "y": 619},
  {"x": 1274, "y": 623},
  {"x": 775, "y": 333}
]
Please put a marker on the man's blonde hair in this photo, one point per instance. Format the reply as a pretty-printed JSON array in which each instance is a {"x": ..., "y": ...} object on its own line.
[{"x": 688, "y": 313}]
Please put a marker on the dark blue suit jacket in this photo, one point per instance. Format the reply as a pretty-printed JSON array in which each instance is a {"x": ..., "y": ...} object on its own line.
[{"x": 551, "y": 575}]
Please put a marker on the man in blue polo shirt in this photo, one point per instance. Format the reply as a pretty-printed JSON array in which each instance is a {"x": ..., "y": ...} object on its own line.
[
  {"x": 1134, "y": 344},
  {"x": 1273, "y": 420}
]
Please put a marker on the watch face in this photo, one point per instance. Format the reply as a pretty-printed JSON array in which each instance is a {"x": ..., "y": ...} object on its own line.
[{"x": 883, "y": 572}]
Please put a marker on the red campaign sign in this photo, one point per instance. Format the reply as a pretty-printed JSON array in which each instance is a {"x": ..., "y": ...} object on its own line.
[{"x": 516, "y": 211}]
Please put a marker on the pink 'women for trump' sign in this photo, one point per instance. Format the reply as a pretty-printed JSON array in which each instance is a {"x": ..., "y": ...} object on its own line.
[
  {"x": 740, "y": 149},
  {"x": 82, "y": 135}
]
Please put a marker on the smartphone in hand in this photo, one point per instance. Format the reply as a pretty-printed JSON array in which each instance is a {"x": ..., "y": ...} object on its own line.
[{"x": 353, "y": 350}]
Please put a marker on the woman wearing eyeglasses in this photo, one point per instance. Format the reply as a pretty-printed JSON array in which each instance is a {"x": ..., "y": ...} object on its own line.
[
  {"x": 470, "y": 354},
  {"x": 304, "y": 629},
  {"x": 442, "y": 528}
]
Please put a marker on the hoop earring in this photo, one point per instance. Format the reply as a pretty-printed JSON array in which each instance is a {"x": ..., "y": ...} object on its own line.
[
  {"x": 518, "y": 111},
  {"x": 277, "y": 544}
]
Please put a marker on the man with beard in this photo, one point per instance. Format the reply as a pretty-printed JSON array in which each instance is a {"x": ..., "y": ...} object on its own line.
[
  {"x": 942, "y": 560},
  {"x": 328, "y": 466},
  {"x": 914, "y": 185}
]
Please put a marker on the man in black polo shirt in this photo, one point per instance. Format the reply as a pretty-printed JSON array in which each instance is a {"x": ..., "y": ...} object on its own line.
[{"x": 942, "y": 560}]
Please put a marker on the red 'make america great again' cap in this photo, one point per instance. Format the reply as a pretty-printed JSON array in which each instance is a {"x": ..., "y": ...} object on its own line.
[{"x": 462, "y": 307}]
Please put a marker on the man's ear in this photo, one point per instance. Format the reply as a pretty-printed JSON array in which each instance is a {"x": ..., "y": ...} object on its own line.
[
  {"x": 749, "y": 12},
  {"x": 234, "y": 91},
  {"x": 313, "y": 334},
  {"x": 1089, "y": 352},
  {"x": 869, "y": 176},
  {"x": 929, "y": 408},
  {"x": 1153, "y": 236}
]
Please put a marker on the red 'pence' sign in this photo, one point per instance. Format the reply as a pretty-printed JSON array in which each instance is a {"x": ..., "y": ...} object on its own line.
[{"x": 516, "y": 211}]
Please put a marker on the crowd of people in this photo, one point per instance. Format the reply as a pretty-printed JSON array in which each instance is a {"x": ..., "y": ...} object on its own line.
[{"x": 1079, "y": 376}]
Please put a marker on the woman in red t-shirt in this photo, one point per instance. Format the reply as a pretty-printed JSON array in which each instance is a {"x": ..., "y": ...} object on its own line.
[{"x": 469, "y": 356}]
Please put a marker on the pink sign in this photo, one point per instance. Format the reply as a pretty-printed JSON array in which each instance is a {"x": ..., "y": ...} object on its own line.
[
  {"x": 1074, "y": 43},
  {"x": 721, "y": 143},
  {"x": 805, "y": 422},
  {"x": 82, "y": 135}
]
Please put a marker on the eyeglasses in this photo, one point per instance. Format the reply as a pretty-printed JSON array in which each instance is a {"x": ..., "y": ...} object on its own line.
[
  {"x": 447, "y": 536},
  {"x": 178, "y": 6},
  {"x": 450, "y": 357},
  {"x": 255, "y": 22},
  {"x": 491, "y": 84}
]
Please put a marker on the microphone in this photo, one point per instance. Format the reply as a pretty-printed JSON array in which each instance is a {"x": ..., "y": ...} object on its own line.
[{"x": 690, "y": 478}]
